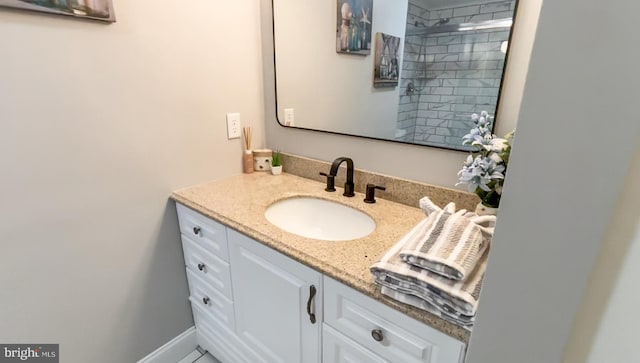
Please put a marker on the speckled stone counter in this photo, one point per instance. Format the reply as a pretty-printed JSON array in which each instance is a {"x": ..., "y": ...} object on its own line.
[{"x": 240, "y": 202}]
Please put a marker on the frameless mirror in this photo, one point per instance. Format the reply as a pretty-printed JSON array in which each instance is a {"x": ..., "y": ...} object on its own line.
[{"x": 409, "y": 71}]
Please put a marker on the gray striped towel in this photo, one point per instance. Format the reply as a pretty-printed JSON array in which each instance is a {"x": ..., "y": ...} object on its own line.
[
  {"x": 457, "y": 300},
  {"x": 408, "y": 298},
  {"x": 450, "y": 243}
]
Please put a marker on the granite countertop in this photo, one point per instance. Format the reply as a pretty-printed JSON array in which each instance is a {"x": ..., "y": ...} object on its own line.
[{"x": 240, "y": 202}]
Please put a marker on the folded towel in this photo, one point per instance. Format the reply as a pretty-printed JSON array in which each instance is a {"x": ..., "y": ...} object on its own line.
[
  {"x": 407, "y": 298},
  {"x": 450, "y": 243},
  {"x": 458, "y": 299}
]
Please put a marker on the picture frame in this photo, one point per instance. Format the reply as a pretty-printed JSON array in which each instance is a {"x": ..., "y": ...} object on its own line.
[
  {"x": 353, "y": 26},
  {"x": 88, "y": 9},
  {"x": 386, "y": 68}
]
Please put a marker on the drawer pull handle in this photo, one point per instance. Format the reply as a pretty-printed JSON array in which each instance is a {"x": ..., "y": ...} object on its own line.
[
  {"x": 201, "y": 266},
  {"x": 196, "y": 230},
  {"x": 377, "y": 335},
  {"x": 205, "y": 300},
  {"x": 312, "y": 294}
]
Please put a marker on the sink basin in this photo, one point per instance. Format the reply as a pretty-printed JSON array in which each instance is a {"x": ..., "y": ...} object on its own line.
[{"x": 319, "y": 219}]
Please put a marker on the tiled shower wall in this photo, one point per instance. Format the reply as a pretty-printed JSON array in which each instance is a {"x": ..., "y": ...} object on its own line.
[
  {"x": 408, "y": 108},
  {"x": 455, "y": 74}
]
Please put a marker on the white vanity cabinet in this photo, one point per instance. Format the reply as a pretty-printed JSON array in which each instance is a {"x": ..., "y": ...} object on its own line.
[
  {"x": 253, "y": 304},
  {"x": 206, "y": 256},
  {"x": 278, "y": 302},
  {"x": 250, "y": 303}
]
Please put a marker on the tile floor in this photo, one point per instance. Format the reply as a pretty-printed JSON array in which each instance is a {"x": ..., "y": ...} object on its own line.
[{"x": 197, "y": 357}]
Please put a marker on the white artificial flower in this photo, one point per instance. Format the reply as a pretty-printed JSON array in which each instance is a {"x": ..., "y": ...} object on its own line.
[
  {"x": 495, "y": 157},
  {"x": 485, "y": 168},
  {"x": 474, "y": 136},
  {"x": 479, "y": 172},
  {"x": 498, "y": 144}
]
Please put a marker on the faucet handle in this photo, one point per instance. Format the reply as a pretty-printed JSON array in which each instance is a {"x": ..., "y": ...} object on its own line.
[
  {"x": 370, "y": 196},
  {"x": 331, "y": 179}
]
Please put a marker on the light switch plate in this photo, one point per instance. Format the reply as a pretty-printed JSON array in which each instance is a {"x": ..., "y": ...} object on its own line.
[
  {"x": 233, "y": 125},
  {"x": 289, "y": 117}
]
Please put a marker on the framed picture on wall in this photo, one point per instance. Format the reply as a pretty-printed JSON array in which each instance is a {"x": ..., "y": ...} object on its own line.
[
  {"x": 89, "y": 9},
  {"x": 353, "y": 33},
  {"x": 386, "y": 69}
]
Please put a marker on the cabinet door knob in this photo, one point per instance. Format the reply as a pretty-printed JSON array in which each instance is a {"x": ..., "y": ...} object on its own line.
[
  {"x": 206, "y": 300},
  {"x": 196, "y": 230},
  {"x": 312, "y": 294},
  {"x": 201, "y": 266},
  {"x": 377, "y": 335}
]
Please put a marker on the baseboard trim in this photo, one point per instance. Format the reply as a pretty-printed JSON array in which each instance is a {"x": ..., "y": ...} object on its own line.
[{"x": 175, "y": 349}]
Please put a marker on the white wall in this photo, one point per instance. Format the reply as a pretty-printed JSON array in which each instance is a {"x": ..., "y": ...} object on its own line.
[
  {"x": 331, "y": 91},
  {"x": 605, "y": 329},
  {"x": 577, "y": 134},
  {"x": 515, "y": 76},
  {"x": 98, "y": 124},
  {"x": 617, "y": 338},
  {"x": 431, "y": 165}
]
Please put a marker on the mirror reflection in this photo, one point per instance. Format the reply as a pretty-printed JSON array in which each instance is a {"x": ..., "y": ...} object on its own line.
[{"x": 407, "y": 71}]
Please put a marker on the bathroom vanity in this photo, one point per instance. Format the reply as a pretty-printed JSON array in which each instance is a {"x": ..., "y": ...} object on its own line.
[{"x": 260, "y": 294}]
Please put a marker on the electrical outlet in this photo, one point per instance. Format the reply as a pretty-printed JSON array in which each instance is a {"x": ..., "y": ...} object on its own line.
[
  {"x": 289, "y": 118},
  {"x": 233, "y": 125}
]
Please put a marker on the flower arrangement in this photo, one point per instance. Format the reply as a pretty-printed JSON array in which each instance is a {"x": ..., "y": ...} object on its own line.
[{"x": 485, "y": 168}]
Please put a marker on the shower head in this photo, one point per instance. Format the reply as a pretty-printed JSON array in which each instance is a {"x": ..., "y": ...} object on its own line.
[{"x": 441, "y": 21}]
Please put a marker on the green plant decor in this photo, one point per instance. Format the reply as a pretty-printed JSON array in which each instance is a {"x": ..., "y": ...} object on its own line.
[{"x": 276, "y": 159}]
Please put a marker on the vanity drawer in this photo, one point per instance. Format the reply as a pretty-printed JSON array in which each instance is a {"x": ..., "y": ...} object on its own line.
[
  {"x": 219, "y": 340},
  {"x": 210, "y": 300},
  {"x": 401, "y": 338},
  {"x": 337, "y": 348},
  {"x": 209, "y": 234},
  {"x": 207, "y": 266}
]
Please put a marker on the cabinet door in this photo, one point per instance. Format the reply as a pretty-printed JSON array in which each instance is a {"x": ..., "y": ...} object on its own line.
[
  {"x": 271, "y": 293},
  {"x": 337, "y": 348}
]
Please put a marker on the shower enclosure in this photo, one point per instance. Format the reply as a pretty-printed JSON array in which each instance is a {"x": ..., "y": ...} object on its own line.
[{"x": 452, "y": 67}]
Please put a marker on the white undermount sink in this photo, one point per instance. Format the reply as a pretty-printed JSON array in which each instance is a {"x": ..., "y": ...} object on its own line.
[{"x": 319, "y": 219}]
